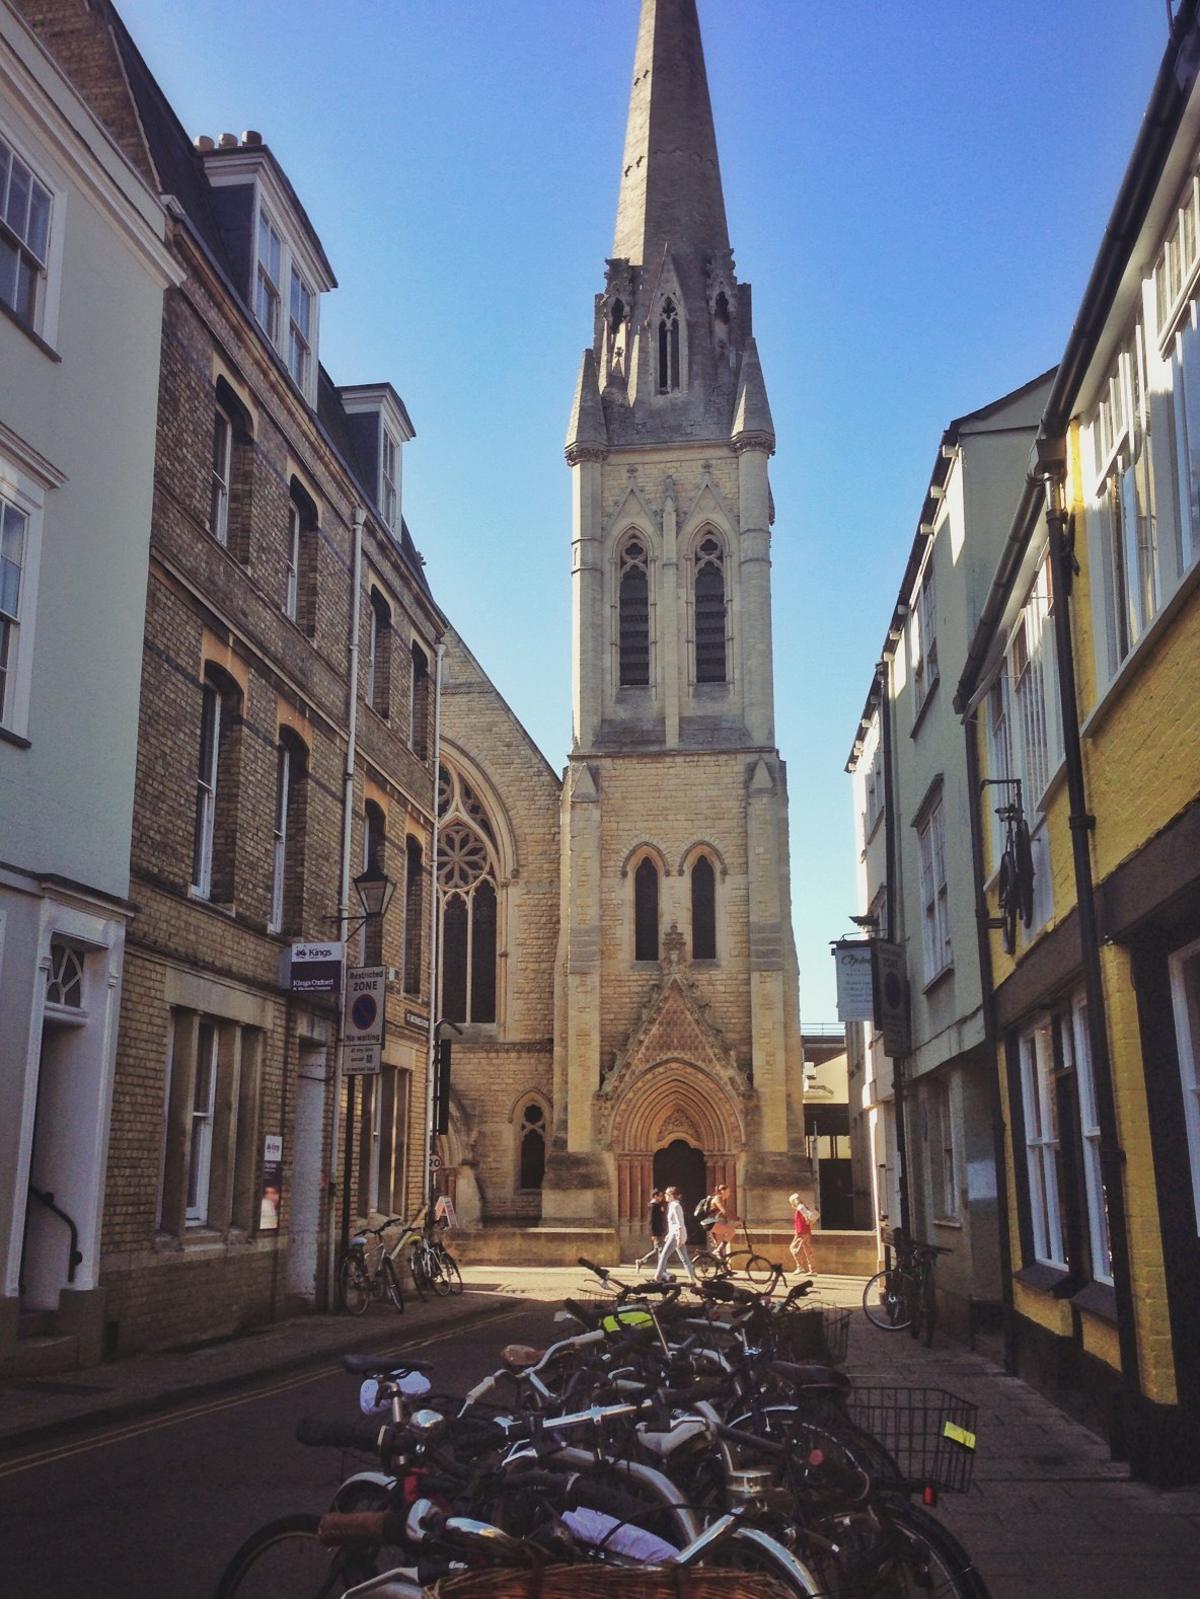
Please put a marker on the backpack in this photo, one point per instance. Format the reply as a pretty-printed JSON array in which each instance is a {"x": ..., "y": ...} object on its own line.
[{"x": 703, "y": 1207}]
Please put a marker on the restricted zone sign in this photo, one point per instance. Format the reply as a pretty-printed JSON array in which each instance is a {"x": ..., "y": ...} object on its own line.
[{"x": 362, "y": 1019}]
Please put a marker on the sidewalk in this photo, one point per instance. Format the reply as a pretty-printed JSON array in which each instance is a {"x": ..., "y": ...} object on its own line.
[
  {"x": 36, "y": 1408},
  {"x": 1049, "y": 1513}
]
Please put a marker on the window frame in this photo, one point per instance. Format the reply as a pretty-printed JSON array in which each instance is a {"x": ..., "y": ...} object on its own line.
[
  {"x": 1039, "y": 1111},
  {"x": 291, "y": 595},
  {"x": 283, "y": 779},
  {"x": 645, "y": 869},
  {"x": 199, "y": 1173},
  {"x": 1077, "y": 1057},
  {"x": 630, "y": 561},
  {"x": 299, "y": 337},
  {"x": 922, "y": 633},
  {"x": 17, "y": 626},
  {"x": 935, "y": 894},
  {"x": 379, "y": 654},
  {"x": 221, "y": 479},
  {"x": 712, "y": 948},
  {"x": 1185, "y": 1008},
  {"x": 705, "y": 562},
  {"x": 41, "y": 320},
  {"x": 389, "y": 480},
  {"x": 268, "y": 287},
  {"x": 211, "y": 717}
]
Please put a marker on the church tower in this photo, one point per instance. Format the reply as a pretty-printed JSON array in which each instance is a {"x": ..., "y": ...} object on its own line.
[{"x": 677, "y": 1053}]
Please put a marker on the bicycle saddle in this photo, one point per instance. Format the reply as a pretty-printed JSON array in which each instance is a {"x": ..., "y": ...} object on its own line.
[{"x": 810, "y": 1376}]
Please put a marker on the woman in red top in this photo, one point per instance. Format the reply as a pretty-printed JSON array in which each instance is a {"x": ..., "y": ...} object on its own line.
[{"x": 804, "y": 1218}]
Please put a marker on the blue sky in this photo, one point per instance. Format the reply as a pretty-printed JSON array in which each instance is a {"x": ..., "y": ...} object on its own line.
[{"x": 915, "y": 188}]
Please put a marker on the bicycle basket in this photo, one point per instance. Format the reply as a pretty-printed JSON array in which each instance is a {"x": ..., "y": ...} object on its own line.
[
  {"x": 589, "y": 1581},
  {"x": 929, "y": 1433},
  {"x": 817, "y": 1332}
]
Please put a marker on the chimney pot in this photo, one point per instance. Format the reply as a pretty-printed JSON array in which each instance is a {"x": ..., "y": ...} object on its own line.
[
  {"x": 227, "y": 141},
  {"x": 252, "y": 136},
  {"x": 204, "y": 144}
]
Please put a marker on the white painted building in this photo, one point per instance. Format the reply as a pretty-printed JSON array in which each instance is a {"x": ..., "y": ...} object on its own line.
[
  {"x": 83, "y": 268},
  {"x": 915, "y": 867}
]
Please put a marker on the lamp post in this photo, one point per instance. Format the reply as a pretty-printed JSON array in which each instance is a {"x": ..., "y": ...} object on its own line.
[{"x": 374, "y": 889}]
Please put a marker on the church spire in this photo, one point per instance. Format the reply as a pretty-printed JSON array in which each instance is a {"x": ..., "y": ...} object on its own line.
[{"x": 670, "y": 179}]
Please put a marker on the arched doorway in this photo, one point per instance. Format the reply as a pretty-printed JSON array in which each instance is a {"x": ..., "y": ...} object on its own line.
[{"x": 681, "y": 1164}]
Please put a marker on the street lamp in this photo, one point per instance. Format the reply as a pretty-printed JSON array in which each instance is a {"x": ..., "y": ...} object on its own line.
[{"x": 374, "y": 889}]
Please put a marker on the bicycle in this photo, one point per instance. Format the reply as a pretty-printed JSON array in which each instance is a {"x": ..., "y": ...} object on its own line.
[
  {"x": 903, "y": 1295},
  {"x": 362, "y": 1278},
  {"x": 431, "y": 1265},
  {"x": 710, "y": 1263}
]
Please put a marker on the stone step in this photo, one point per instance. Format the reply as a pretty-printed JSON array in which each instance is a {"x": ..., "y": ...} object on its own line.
[
  {"x": 42, "y": 1354},
  {"x": 36, "y": 1323}
]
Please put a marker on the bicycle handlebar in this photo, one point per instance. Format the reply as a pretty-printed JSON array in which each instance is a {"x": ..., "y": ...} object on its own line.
[{"x": 366, "y": 1437}]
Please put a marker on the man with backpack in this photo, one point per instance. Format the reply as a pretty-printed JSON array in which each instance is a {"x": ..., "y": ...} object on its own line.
[{"x": 657, "y": 1226}]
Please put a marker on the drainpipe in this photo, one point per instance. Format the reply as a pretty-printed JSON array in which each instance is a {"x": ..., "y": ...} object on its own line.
[
  {"x": 434, "y": 919},
  {"x": 984, "y": 949},
  {"x": 884, "y": 676},
  {"x": 1052, "y": 454},
  {"x": 343, "y": 906}
]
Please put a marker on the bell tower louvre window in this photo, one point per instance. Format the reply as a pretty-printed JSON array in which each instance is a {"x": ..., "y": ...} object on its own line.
[
  {"x": 634, "y": 613},
  {"x": 710, "y": 612},
  {"x": 668, "y": 348}
]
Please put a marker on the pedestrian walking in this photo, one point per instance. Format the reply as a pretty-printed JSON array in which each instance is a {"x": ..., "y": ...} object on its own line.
[
  {"x": 656, "y": 1221},
  {"x": 676, "y": 1239},
  {"x": 802, "y": 1232}
]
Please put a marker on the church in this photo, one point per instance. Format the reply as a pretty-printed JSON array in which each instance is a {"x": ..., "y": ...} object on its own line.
[{"x": 615, "y": 945}]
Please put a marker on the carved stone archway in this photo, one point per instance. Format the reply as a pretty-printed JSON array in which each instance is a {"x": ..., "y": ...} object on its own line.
[{"x": 670, "y": 1100}]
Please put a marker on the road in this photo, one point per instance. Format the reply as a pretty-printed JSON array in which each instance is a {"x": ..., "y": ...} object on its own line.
[{"x": 153, "y": 1509}]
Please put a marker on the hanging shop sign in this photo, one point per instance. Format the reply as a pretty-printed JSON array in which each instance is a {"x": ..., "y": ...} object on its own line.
[
  {"x": 891, "y": 998},
  {"x": 854, "y": 982},
  {"x": 362, "y": 1019},
  {"x": 315, "y": 968}
]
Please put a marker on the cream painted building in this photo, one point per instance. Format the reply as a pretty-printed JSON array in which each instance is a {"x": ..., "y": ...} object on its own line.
[
  {"x": 916, "y": 876},
  {"x": 629, "y": 1010},
  {"x": 83, "y": 268}
]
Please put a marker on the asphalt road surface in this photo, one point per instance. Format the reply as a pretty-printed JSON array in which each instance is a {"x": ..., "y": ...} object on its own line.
[{"x": 154, "y": 1508}]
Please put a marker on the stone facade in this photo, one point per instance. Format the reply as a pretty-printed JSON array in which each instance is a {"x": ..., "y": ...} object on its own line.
[{"x": 676, "y": 1038}]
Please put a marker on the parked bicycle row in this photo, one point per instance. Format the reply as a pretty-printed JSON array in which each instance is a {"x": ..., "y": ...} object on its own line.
[
  {"x": 669, "y": 1428},
  {"x": 372, "y": 1269}
]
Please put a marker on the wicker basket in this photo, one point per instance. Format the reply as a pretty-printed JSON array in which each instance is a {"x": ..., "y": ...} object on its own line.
[{"x": 598, "y": 1581}]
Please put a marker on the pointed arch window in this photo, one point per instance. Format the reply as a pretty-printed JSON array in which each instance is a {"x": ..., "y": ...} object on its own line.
[
  {"x": 710, "y": 611},
  {"x": 532, "y": 1146},
  {"x": 467, "y": 875},
  {"x": 704, "y": 910},
  {"x": 413, "y": 875},
  {"x": 374, "y": 852},
  {"x": 668, "y": 347},
  {"x": 634, "y": 615},
  {"x": 645, "y": 911}
]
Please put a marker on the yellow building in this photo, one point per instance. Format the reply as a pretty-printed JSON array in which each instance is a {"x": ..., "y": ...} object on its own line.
[{"x": 1082, "y": 702}]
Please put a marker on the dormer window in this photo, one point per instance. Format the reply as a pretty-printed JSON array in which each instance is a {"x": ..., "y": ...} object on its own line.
[
  {"x": 300, "y": 330},
  {"x": 266, "y": 290},
  {"x": 389, "y": 497}
]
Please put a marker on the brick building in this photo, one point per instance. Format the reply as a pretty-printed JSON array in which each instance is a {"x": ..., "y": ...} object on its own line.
[{"x": 286, "y": 740}]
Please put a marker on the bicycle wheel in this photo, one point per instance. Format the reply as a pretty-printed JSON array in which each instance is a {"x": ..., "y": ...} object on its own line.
[
  {"x": 927, "y": 1558},
  {"x": 451, "y": 1269},
  {"x": 708, "y": 1266},
  {"x": 391, "y": 1283},
  {"x": 890, "y": 1300},
  {"x": 354, "y": 1285},
  {"x": 287, "y": 1557},
  {"x": 439, "y": 1277},
  {"x": 758, "y": 1268},
  {"x": 419, "y": 1271}
]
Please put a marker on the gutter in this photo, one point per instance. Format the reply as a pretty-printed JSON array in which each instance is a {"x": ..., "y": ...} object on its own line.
[{"x": 434, "y": 927}]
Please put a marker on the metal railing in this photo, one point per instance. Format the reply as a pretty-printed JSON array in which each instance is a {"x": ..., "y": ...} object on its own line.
[{"x": 75, "y": 1258}]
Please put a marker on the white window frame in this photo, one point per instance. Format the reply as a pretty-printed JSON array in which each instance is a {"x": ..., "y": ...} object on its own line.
[
  {"x": 1041, "y": 1143},
  {"x": 922, "y": 633},
  {"x": 283, "y": 785},
  {"x": 47, "y": 261},
  {"x": 1184, "y": 970},
  {"x": 222, "y": 475},
  {"x": 200, "y": 1128},
  {"x": 291, "y": 597},
  {"x": 301, "y": 298},
  {"x": 206, "y": 791},
  {"x": 268, "y": 284},
  {"x": 945, "y": 1163},
  {"x": 1000, "y": 758},
  {"x": 1077, "y": 1053},
  {"x": 1185, "y": 407},
  {"x": 935, "y": 897},
  {"x": 389, "y": 490}
]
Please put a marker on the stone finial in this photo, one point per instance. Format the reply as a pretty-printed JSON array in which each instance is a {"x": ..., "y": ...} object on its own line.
[
  {"x": 587, "y": 432},
  {"x": 753, "y": 428}
]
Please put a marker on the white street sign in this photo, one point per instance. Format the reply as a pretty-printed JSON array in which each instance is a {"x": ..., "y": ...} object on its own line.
[
  {"x": 360, "y": 1060},
  {"x": 366, "y": 998},
  {"x": 854, "y": 996}
]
